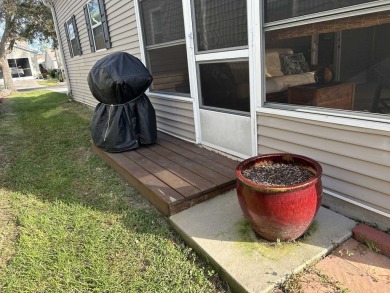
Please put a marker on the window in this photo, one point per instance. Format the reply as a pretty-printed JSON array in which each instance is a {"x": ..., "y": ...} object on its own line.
[
  {"x": 340, "y": 63},
  {"x": 165, "y": 47},
  {"x": 19, "y": 67},
  {"x": 96, "y": 20},
  {"x": 225, "y": 85},
  {"x": 221, "y": 27},
  {"x": 220, "y": 24},
  {"x": 72, "y": 36}
]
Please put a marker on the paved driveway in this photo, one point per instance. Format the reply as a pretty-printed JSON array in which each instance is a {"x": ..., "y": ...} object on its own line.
[{"x": 31, "y": 85}]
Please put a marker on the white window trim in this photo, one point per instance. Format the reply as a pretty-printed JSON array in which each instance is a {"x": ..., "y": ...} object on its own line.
[
  {"x": 256, "y": 61},
  {"x": 139, "y": 31},
  {"x": 223, "y": 56},
  {"x": 380, "y": 124},
  {"x": 338, "y": 13},
  {"x": 94, "y": 26},
  {"x": 192, "y": 68},
  {"x": 170, "y": 97},
  {"x": 166, "y": 44}
]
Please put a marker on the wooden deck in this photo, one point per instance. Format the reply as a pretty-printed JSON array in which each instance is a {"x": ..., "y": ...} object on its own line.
[{"x": 173, "y": 174}]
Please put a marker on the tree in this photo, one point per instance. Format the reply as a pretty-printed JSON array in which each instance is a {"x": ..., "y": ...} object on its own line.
[{"x": 23, "y": 20}]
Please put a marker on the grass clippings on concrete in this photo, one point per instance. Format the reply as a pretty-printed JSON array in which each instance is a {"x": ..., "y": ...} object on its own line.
[
  {"x": 310, "y": 280},
  {"x": 73, "y": 224}
]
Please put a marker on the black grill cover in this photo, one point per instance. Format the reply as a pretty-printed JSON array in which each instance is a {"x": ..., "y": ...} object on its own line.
[{"x": 124, "y": 119}]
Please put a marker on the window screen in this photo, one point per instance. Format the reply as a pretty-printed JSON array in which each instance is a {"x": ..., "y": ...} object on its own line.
[
  {"x": 221, "y": 24},
  {"x": 164, "y": 37}
]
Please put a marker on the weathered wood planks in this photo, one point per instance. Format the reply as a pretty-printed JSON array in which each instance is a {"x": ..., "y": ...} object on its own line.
[{"x": 173, "y": 174}]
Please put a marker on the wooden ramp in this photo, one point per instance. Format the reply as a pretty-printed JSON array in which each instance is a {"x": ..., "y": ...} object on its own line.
[{"x": 173, "y": 174}]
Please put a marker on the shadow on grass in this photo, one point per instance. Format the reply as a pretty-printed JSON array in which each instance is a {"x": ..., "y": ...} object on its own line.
[
  {"x": 52, "y": 157},
  {"x": 81, "y": 226}
]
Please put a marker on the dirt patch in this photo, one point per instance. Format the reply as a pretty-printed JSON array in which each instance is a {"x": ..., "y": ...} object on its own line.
[{"x": 278, "y": 174}]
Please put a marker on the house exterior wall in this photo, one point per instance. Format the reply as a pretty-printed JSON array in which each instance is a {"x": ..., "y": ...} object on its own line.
[
  {"x": 355, "y": 160},
  {"x": 124, "y": 37},
  {"x": 175, "y": 117},
  {"x": 51, "y": 60}
]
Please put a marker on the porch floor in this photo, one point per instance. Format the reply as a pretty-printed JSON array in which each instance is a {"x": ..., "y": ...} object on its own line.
[{"x": 173, "y": 174}]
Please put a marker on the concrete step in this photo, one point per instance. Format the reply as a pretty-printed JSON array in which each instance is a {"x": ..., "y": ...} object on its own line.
[{"x": 218, "y": 231}]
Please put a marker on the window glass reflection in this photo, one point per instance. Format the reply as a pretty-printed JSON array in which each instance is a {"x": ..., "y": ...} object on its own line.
[
  {"x": 347, "y": 69},
  {"x": 225, "y": 85},
  {"x": 94, "y": 12}
]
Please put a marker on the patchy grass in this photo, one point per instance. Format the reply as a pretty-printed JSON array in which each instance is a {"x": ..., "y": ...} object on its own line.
[
  {"x": 73, "y": 224},
  {"x": 49, "y": 82}
]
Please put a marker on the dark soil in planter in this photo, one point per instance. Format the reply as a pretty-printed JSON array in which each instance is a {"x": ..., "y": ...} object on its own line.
[{"x": 278, "y": 174}]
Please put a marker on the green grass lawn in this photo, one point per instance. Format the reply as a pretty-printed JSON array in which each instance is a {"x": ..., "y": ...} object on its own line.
[{"x": 68, "y": 223}]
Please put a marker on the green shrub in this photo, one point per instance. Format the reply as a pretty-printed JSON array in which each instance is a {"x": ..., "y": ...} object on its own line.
[{"x": 53, "y": 73}]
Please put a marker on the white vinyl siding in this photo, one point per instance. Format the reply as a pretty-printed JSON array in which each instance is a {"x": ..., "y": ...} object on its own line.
[
  {"x": 173, "y": 117},
  {"x": 123, "y": 33},
  {"x": 356, "y": 162}
]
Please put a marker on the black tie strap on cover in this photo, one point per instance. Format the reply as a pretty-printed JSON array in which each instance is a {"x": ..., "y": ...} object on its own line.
[{"x": 125, "y": 118}]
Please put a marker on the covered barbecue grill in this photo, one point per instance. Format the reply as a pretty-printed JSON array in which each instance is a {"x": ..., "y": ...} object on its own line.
[{"x": 124, "y": 119}]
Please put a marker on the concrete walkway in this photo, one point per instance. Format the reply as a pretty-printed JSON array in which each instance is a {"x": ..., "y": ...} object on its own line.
[
  {"x": 32, "y": 84},
  {"x": 352, "y": 267},
  {"x": 217, "y": 230}
]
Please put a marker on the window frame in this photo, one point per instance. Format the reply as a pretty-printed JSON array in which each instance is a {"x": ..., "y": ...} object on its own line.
[
  {"x": 352, "y": 118},
  {"x": 72, "y": 20},
  {"x": 103, "y": 23},
  {"x": 197, "y": 51},
  {"x": 144, "y": 48}
]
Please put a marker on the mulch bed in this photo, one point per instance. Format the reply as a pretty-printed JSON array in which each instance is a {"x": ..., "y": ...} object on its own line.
[{"x": 278, "y": 174}]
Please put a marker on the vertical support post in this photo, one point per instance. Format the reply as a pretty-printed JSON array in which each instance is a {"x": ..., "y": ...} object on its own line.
[
  {"x": 192, "y": 72},
  {"x": 256, "y": 57}
]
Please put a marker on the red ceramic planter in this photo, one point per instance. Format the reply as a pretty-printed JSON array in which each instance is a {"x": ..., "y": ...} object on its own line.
[{"x": 280, "y": 212}]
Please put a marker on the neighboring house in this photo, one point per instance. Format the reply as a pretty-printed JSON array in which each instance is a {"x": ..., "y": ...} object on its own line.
[
  {"x": 52, "y": 60},
  {"x": 41, "y": 59},
  {"x": 226, "y": 76},
  {"x": 22, "y": 62}
]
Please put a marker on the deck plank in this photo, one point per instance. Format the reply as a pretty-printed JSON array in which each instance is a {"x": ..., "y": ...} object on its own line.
[
  {"x": 187, "y": 175},
  {"x": 201, "y": 151},
  {"x": 169, "y": 178},
  {"x": 212, "y": 165},
  {"x": 172, "y": 174},
  {"x": 143, "y": 181},
  {"x": 211, "y": 175}
]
